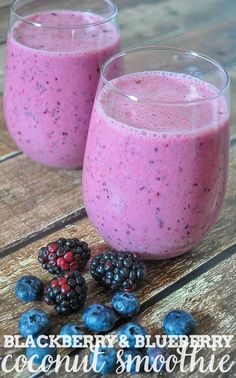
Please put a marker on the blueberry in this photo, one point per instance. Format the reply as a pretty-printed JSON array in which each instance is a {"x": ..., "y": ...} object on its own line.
[
  {"x": 34, "y": 322},
  {"x": 133, "y": 361},
  {"x": 70, "y": 329},
  {"x": 40, "y": 351},
  {"x": 29, "y": 289},
  {"x": 130, "y": 330},
  {"x": 125, "y": 304},
  {"x": 157, "y": 357},
  {"x": 99, "y": 318},
  {"x": 179, "y": 322},
  {"x": 106, "y": 360}
]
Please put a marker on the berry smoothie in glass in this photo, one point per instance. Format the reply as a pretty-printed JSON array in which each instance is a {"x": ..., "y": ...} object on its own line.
[
  {"x": 53, "y": 65},
  {"x": 156, "y": 159}
]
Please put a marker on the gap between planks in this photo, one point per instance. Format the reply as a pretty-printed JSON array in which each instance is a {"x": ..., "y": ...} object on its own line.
[
  {"x": 151, "y": 308},
  {"x": 76, "y": 215}
]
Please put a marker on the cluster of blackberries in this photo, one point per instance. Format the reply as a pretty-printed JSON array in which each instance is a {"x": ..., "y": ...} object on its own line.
[{"x": 67, "y": 292}]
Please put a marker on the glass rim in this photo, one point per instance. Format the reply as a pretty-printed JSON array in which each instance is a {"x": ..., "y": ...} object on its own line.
[
  {"x": 124, "y": 52},
  {"x": 113, "y": 14}
]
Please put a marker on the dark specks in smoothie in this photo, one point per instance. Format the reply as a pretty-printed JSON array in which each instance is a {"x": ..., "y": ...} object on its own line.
[
  {"x": 64, "y": 133},
  {"x": 156, "y": 149},
  {"x": 160, "y": 223},
  {"x": 105, "y": 31},
  {"x": 53, "y": 14},
  {"x": 127, "y": 232},
  {"x": 98, "y": 70},
  {"x": 158, "y": 194},
  {"x": 180, "y": 169},
  {"x": 186, "y": 227},
  {"x": 58, "y": 103},
  {"x": 142, "y": 188},
  {"x": 151, "y": 161},
  {"x": 195, "y": 184}
]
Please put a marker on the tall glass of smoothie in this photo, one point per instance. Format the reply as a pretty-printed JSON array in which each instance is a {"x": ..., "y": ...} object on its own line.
[
  {"x": 156, "y": 159},
  {"x": 54, "y": 53}
]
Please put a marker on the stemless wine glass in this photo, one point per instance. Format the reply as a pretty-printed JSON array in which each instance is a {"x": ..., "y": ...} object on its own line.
[
  {"x": 54, "y": 55},
  {"x": 156, "y": 159}
]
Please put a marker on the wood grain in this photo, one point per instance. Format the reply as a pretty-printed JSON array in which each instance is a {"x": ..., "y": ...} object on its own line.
[
  {"x": 162, "y": 276},
  {"x": 5, "y": 3},
  {"x": 7, "y": 146},
  {"x": 32, "y": 197},
  {"x": 200, "y": 297},
  {"x": 4, "y": 20}
]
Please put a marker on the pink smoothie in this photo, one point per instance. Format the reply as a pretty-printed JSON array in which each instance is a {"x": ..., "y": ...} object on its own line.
[
  {"x": 50, "y": 84},
  {"x": 155, "y": 174}
]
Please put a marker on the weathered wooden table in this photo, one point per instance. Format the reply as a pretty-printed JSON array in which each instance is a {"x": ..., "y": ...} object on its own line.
[{"x": 38, "y": 204}]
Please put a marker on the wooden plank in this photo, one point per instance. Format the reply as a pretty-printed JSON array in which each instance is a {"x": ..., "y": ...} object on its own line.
[
  {"x": 32, "y": 197},
  {"x": 216, "y": 40},
  {"x": 214, "y": 316},
  {"x": 2, "y": 65},
  {"x": 7, "y": 146},
  {"x": 161, "y": 275},
  {"x": 200, "y": 296},
  {"x": 4, "y": 17},
  {"x": 5, "y": 3},
  {"x": 172, "y": 17}
]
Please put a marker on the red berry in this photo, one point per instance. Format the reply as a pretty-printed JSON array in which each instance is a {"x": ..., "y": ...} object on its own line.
[
  {"x": 60, "y": 261},
  {"x": 62, "y": 281},
  {"x": 65, "y": 289},
  {"x": 55, "y": 283},
  {"x": 65, "y": 266},
  {"x": 52, "y": 247},
  {"x": 69, "y": 257},
  {"x": 74, "y": 266}
]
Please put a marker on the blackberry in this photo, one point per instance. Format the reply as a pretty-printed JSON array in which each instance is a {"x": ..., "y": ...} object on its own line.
[
  {"x": 117, "y": 270},
  {"x": 64, "y": 255},
  {"x": 67, "y": 293}
]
